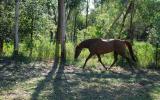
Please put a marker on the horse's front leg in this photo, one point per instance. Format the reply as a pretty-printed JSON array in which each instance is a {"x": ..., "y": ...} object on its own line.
[
  {"x": 115, "y": 59},
  {"x": 90, "y": 55},
  {"x": 99, "y": 59}
]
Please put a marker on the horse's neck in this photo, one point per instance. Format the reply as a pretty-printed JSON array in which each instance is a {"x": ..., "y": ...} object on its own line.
[{"x": 83, "y": 45}]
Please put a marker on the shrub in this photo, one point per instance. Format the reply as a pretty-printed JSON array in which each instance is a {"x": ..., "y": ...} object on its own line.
[{"x": 145, "y": 53}]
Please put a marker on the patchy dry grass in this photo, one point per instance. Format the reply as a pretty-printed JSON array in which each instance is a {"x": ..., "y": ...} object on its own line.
[{"x": 39, "y": 81}]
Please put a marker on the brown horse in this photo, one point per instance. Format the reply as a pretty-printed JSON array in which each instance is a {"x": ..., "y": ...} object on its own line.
[{"x": 102, "y": 46}]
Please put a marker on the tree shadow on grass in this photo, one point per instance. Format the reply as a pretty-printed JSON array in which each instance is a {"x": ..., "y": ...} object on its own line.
[
  {"x": 61, "y": 86},
  {"x": 118, "y": 86},
  {"x": 12, "y": 72},
  {"x": 54, "y": 87},
  {"x": 43, "y": 83},
  {"x": 78, "y": 85},
  {"x": 96, "y": 86}
]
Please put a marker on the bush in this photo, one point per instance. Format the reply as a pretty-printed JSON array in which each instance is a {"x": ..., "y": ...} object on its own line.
[
  {"x": 145, "y": 53},
  {"x": 43, "y": 49}
]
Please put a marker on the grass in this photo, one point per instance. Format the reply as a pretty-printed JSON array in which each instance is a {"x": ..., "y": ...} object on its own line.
[
  {"x": 145, "y": 53},
  {"x": 44, "y": 50},
  {"x": 37, "y": 81}
]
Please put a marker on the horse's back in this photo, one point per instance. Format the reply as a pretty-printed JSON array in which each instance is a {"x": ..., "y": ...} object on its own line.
[{"x": 100, "y": 46}]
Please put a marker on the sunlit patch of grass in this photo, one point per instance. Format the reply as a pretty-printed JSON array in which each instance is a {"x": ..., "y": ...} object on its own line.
[
  {"x": 43, "y": 49},
  {"x": 107, "y": 59},
  {"x": 85, "y": 85},
  {"x": 21, "y": 90},
  {"x": 155, "y": 92}
]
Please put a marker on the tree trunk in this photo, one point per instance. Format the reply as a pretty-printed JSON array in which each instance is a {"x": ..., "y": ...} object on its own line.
[
  {"x": 16, "y": 39},
  {"x": 131, "y": 34},
  {"x": 1, "y": 45},
  {"x": 56, "y": 58},
  {"x": 55, "y": 14},
  {"x": 75, "y": 28},
  {"x": 31, "y": 36},
  {"x": 87, "y": 10},
  {"x": 51, "y": 36},
  {"x": 114, "y": 22},
  {"x": 61, "y": 28},
  {"x": 101, "y": 6},
  {"x": 129, "y": 10}
]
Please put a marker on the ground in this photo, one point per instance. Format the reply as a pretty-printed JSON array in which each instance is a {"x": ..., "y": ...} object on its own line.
[{"x": 41, "y": 80}]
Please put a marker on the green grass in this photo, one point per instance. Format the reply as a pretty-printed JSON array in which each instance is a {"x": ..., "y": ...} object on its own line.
[
  {"x": 33, "y": 81},
  {"x": 29, "y": 78},
  {"x": 44, "y": 50},
  {"x": 145, "y": 53}
]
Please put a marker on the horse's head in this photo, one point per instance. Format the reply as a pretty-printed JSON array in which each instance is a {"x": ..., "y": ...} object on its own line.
[{"x": 77, "y": 52}]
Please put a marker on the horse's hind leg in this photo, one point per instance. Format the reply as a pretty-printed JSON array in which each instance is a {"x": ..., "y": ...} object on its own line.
[
  {"x": 128, "y": 60},
  {"x": 123, "y": 54},
  {"x": 90, "y": 55},
  {"x": 99, "y": 59},
  {"x": 115, "y": 59}
]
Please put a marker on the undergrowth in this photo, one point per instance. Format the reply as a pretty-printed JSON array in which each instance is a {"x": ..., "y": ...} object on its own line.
[{"x": 44, "y": 50}]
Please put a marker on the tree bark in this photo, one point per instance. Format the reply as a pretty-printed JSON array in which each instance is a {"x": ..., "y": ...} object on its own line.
[
  {"x": 1, "y": 45},
  {"x": 114, "y": 22},
  {"x": 75, "y": 28},
  {"x": 16, "y": 38},
  {"x": 55, "y": 15},
  {"x": 131, "y": 33},
  {"x": 51, "y": 36},
  {"x": 61, "y": 28},
  {"x": 87, "y": 10},
  {"x": 129, "y": 10},
  {"x": 31, "y": 35}
]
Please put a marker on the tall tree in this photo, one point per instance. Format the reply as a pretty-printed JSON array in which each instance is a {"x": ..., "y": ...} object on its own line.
[
  {"x": 61, "y": 28},
  {"x": 16, "y": 41},
  {"x": 131, "y": 21},
  {"x": 87, "y": 10},
  {"x": 75, "y": 27},
  {"x": 128, "y": 10}
]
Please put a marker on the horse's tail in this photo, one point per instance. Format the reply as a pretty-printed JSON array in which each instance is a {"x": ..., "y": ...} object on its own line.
[{"x": 130, "y": 49}]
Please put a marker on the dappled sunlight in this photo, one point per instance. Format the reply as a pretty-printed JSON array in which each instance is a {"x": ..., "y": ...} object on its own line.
[{"x": 41, "y": 81}]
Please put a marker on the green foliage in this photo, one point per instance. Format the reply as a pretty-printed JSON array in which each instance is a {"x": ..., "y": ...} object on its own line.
[
  {"x": 39, "y": 17},
  {"x": 36, "y": 21},
  {"x": 70, "y": 52},
  {"x": 144, "y": 53},
  {"x": 41, "y": 49}
]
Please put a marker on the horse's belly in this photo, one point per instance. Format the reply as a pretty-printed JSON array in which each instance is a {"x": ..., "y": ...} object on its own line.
[{"x": 103, "y": 50}]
